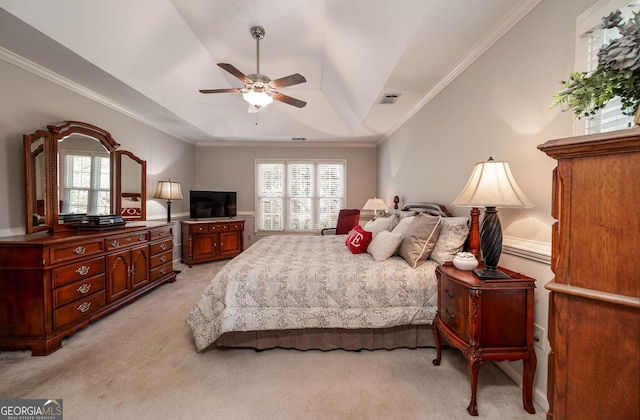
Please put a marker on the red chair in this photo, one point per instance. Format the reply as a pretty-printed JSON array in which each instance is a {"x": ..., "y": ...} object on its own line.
[{"x": 347, "y": 220}]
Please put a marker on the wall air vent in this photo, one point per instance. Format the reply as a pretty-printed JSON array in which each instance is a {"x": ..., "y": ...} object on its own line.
[
  {"x": 298, "y": 138},
  {"x": 389, "y": 98}
]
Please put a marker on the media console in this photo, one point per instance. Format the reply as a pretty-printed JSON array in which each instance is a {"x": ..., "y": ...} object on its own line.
[{"x": 210, "y": 240}]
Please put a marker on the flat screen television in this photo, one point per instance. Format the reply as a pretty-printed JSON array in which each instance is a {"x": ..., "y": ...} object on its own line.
[{"x": 206, "y": 204}]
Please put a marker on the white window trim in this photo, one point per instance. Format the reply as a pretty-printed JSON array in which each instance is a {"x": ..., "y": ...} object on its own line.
[{"x": 286, "y": 162}]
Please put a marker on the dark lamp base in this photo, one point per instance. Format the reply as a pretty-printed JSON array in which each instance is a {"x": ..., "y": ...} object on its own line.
[{"x": 490, "y": 274}]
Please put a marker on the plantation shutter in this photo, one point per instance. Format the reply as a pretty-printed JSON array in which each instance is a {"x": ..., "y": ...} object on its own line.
[
  {"x": 270, "y": 200},
  {"x": 299, "y": 196}
]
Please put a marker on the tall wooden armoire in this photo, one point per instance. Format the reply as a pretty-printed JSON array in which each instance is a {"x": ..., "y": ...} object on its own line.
[{"x": 594, "y": 304}]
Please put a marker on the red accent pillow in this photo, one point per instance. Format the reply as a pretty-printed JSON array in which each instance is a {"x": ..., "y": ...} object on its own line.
[{"x": 358, "y": 240}]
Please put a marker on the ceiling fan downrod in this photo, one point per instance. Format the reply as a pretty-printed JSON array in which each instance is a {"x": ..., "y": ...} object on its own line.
[{"x": 257, "y": 32}]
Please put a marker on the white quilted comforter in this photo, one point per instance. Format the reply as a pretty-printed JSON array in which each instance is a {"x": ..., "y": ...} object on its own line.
[{"x": 296, "y": 282}]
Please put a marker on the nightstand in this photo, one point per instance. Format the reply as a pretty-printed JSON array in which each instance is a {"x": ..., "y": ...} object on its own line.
[{"x": 487, "y": 320}]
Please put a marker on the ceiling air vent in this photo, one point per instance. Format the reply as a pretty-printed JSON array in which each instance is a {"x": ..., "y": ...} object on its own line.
[
  {"x": 389, "y": 98},
  {"x": 298, "y": 138}
]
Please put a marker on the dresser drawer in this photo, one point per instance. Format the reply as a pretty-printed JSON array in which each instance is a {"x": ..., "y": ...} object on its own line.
[
  {"x": 218, "y": 227},
  {"x": 159, "y": 259},
  {"x": 78, "y": 310},
  {"x": 199, "y": 228},
  {"x": 236, "y": 226},
  {"x": 160, "y": 271},
  {"x": 71, "y": 252},
  {"x": 77, "y": 271},
  {"x": 69, "y": 293},
  {"x": 454, "y": 296},
  {"x": 163, "y": 246},
  {"x": 161, "y": 232},
  {"x": 122, "y": 241}
]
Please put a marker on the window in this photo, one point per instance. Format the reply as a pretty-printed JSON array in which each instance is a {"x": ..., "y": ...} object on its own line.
[
  {"x": 86, "y": 183},
  {"x": 299, "y": 196},
  {"x": 591, "y": 37}
]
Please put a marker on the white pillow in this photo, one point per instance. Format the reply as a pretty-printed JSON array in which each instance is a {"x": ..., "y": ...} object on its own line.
[
  {"x": 378, "y": 225},
  {"x": 403, "y": 225},
  {"x": 384, "y": 245}
]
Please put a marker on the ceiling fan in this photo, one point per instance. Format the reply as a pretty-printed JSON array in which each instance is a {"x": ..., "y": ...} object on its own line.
[{"x": 258, "y": 89}]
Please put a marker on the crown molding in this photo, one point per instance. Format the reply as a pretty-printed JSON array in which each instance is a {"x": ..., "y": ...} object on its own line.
[
  {"x": 38, "y": 70},
  {"x": 525, "y": 248}
]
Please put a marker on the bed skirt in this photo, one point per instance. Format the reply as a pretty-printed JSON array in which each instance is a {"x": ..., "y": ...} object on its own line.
[{"x": 407, "y": 336}]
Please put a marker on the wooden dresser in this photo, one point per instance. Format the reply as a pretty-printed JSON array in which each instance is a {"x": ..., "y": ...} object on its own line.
[
  {"x": 594, "y": 304},
  {"x": 54, "y": 284},
  {"x": 487, "y": 320},
  {"x": 209, "y": 240}
]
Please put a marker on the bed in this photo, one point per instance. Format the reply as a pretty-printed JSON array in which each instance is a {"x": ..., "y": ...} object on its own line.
[
  {"x": 131, "y": 205},
  {"x": 312, "y": 292}
]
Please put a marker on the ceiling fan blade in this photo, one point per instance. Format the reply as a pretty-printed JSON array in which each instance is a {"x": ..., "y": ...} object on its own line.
[
  {"x": 290, "y": 80},
  {"x": 234, "y": 71},
  {"x": 220, "y": 90},
  {"x": 289, "y": 100}
]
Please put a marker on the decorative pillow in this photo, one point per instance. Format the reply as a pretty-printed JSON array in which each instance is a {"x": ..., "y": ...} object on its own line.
[
  {"x": 378, "y": 225},
  {"x": 403, "y": 225},
  {"x": 453, "y": 234},
  {"x": 420, "y": 238},
  {"x": 358, "y": 240},
  {"x": 384, "y": 245}
]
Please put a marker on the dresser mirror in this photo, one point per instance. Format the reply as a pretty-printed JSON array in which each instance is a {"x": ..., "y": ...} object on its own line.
[
  {"x": 131, "y": 184},
  {"x": 78, "y": 173},
  {"x": 37, "y": 154}
]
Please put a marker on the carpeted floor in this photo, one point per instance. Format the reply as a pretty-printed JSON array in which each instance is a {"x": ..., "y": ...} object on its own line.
[{"x": 140, "y": 363}]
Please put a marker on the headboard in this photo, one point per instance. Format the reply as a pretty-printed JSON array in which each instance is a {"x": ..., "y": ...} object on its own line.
[{"x": 433, "y": 209}]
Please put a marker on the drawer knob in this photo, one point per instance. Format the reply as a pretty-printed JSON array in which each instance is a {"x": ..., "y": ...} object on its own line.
[
  {"x": 163, "y": 270},
  {"x": 84, "y": 289},
  {"x": 163, "y": 258},
  {"x": 82, "y": 270},
  {"x": 161, "y": 233},
  {"x": 84, "y": 307},
  {"x": 163, "y": 246},
  {"x": 448, "y": 314},
  {"x": 79, "y": 250},
  {"x": 451, "y": 295},
  {"x": 142, "y": 237},
  {"x": 114, "y": 243}
]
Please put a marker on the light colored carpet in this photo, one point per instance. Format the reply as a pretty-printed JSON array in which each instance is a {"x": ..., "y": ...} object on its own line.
[{"x": 140, "y": 363}]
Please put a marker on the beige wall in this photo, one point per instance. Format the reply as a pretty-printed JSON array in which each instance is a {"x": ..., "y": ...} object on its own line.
[
  {"x": 498, "y": 107},
  {"x": 230, "y": 168},
  {"x": 30, "y": 102}
]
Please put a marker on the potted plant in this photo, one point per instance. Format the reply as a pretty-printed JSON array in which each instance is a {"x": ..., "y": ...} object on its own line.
[{"x": 617, "y": 74}]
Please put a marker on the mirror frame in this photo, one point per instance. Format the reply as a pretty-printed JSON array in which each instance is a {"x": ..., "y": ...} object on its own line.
[
  {"x": 51, "y": 137},
  {"x": 30, "y": 182},
  {"x": 64, "y": 130},
  {"x": 143, "y": 186}
]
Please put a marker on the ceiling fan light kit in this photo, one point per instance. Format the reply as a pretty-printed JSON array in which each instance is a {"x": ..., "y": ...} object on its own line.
[{"x": 259, "y": 90}]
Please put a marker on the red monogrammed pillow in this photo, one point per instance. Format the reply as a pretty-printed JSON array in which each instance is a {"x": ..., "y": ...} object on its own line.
[{"x": 358, "y": 240}]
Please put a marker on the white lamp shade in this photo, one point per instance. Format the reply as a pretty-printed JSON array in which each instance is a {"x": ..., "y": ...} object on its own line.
[
  {"x": 492, "y": 185},
  {"x": 168, "y": 190},
  {"x": 374, "y": 204},
  {"x": 257, "y": 99}
]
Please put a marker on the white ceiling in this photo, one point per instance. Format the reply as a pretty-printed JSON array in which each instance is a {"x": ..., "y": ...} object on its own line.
[{"x": 150, "y": 58}]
